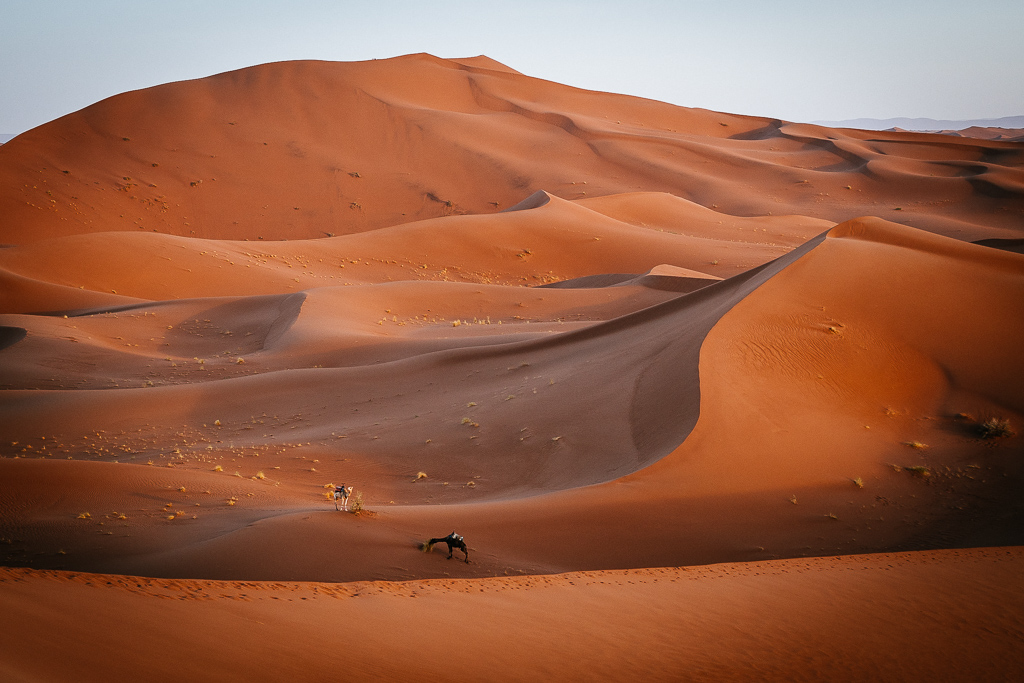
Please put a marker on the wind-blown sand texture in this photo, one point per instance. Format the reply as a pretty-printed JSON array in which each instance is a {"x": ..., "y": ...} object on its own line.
[{"x": 703, "y": 392}]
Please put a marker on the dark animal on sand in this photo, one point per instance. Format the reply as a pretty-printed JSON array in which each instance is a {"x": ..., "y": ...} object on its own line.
[{"x": 453, "y": 541}]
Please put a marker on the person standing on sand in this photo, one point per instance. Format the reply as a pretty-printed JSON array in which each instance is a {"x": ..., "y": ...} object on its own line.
[{"x": 342, "y": 493}]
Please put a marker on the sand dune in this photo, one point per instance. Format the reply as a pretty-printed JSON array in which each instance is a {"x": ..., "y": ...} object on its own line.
[
  {"x": 557, "y": 240},
  {"x": 592, "y": 333},
  {"x": 722, "y": 381},
  {"x": 307, "y": 149},
  {"x": 950, "y": 615},
  {"x": 990, "y": 133}
]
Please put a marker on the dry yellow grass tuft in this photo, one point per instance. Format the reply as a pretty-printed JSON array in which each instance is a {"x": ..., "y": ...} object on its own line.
[{"x": 920, "y": 471}]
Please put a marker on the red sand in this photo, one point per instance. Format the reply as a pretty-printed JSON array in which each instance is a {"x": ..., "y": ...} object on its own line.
[{"x": 610, "y": 334}]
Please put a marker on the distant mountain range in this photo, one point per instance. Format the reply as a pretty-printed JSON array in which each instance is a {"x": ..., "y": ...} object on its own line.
[{"x": 925, "y": 124}]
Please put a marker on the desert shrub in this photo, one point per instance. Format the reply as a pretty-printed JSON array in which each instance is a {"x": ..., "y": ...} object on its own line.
[
  {"x": 995, "y": 428},
  {"x": 920, "y": 471},
  {"x": 357, "y": 503}
]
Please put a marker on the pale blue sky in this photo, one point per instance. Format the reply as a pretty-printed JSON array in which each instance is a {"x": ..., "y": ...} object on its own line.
[{"x": 793, "y": 59}]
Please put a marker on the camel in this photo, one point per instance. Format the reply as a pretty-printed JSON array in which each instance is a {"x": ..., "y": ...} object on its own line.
[
  {"x": 453, "y": 541},
  {"x": 342, "y": 493}
]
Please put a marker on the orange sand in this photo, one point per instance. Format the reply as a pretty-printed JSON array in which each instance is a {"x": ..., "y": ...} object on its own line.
[
  {"x": 613, "y": 335},
  {"x": 945, "y": 615}
]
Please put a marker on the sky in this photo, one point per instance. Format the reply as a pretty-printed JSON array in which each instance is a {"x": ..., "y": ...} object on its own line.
[{"x": 796, "y": 60}]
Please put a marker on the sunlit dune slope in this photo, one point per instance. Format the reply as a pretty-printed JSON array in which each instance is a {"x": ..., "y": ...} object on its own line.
[
  {"x": 311, "y": 149},
  {"x": 944, "y": 615},
  {"x": 554, "y": 241}
]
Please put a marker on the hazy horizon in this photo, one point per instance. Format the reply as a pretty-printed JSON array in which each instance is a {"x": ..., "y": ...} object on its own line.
[{"x": 794, "y": 60}]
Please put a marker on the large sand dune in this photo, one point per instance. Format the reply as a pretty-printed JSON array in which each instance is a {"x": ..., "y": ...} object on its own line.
[
  {"x": 590, "y": 332},
  {"x": 306, "y": 149}
]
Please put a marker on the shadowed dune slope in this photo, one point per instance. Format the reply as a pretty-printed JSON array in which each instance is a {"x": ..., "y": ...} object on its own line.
[
  {"x": 829, "y": 420},
  {"x": 309, "y": 149},
  {"x": 635, "y": 344}
]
